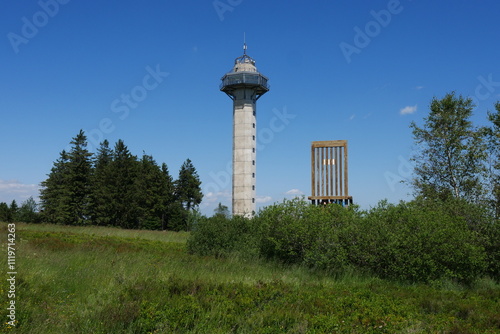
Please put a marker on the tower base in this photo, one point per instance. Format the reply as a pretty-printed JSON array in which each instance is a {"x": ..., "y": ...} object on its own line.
[{"x": 323, "y": 200}]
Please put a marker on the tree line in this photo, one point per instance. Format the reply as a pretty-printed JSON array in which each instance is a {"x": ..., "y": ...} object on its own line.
[
  {"x": 113, "y": 187},
  {"x": 27, "y": 212}
]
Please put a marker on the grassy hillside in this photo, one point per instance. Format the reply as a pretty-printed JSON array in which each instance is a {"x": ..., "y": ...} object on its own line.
[{"x": 106, "y": 280}]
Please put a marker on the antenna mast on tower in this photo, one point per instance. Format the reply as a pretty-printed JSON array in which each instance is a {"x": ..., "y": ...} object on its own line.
[{"x": 244, "y": 44}]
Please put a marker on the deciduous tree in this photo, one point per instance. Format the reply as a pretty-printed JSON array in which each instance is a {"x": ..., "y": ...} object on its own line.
[
  {"x": 450, "y": 151},
  {"x": 28, "y": 212},
  {"x": 493, "y": 135},
  {"x": 222, "y": 211}
]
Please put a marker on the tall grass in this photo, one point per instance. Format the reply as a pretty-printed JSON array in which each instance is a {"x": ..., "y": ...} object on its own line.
[
  {"x": 105, "y": 280},
  {"x": 165, "y": 236}
]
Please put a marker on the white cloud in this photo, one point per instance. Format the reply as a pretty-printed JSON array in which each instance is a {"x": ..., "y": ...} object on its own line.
[
  {"x": 352, "y": 117},
  {"x": 263, "y": 199},
  {"x": 419, "y": 87},
  {"x": 294, "y": 192},
  {"x": 408, "y": 110},
  {"x": 213, "y": 197},
  {"x": 13, "y": 189}
]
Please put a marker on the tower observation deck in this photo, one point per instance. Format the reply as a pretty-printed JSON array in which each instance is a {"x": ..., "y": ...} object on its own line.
[{"x": 244, "y": 85}]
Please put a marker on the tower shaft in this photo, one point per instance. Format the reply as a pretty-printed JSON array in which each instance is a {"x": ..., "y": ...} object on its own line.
[{"x": 244, "y": 148}]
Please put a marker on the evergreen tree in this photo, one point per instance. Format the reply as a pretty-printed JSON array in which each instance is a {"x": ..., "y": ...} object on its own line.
[
  {"x": 65, "y": 193},
  {"x": 155, "y": 194},
  {"x": 54, "y": 195},
  {"x": 101, "y": 198},
  {"x": 167, "y": 196},
  {"x": 187, "y": 196},
  {"x": 451, "y": 152},
  {"x": 149, "y": 185},
  {"x": 123, "y": 172},
  {"x": 13, "y": 211},
  {"x": 188, "y": 186},
  {"x": 114, "y": 188},
  {"x": 4, "y": 212},
  {"x": 79, "y": 173}
]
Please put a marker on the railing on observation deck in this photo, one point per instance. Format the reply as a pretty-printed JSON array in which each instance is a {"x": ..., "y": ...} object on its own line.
[{"x": 244, "y": 78}]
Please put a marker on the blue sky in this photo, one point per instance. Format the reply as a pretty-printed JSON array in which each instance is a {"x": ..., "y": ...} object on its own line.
[{"x": 149, "y": 73}]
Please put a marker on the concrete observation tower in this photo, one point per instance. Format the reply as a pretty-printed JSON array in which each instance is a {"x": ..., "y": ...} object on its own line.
[{"x": 244, "y": 85}]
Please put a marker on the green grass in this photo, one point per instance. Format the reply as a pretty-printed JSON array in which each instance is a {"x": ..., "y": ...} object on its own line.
[
  {"x": 107, "y": 280},
  {"x": 164, "y": 236}
]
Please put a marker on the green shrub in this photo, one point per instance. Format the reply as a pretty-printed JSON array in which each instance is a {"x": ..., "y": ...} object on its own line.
[
  {"x": 297, "y": 232},
  {"x": 286, "y": 233},
  {"x": 222, "y": 236},
  {"x": 480, "y": 221},
  {"x": 414, "y": 243},
  {"x": 491, "y": 237},
  {"x": 418, "y": 241},
  {"x": 329, "y": 249}
]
